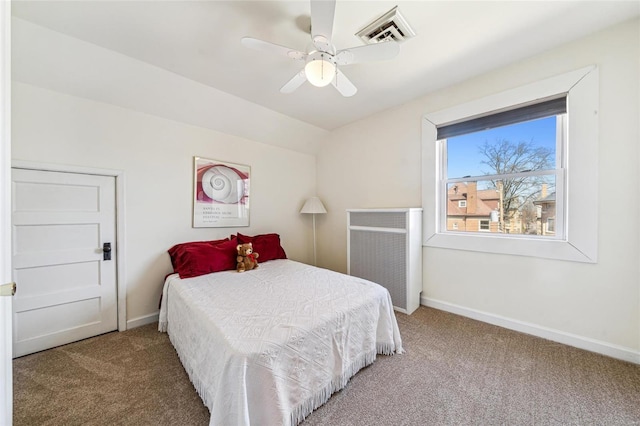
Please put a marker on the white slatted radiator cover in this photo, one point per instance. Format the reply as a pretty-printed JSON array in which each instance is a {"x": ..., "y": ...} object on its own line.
[{"x": 384, "y": 246}]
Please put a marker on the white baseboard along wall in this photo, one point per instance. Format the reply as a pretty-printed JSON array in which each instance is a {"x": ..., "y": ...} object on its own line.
[
  {"x": 143, "y": 320},
  {"x": 614, "y": 351}
]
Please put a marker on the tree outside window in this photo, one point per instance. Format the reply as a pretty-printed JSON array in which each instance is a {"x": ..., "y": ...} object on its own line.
[{"x": 503, "y": 179}]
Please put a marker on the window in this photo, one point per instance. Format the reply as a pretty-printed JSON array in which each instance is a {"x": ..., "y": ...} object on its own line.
[
  {"x": 503, "y": 164},
  {"x": 554, "y": 215},
  {"x": 551, "y": 225}
]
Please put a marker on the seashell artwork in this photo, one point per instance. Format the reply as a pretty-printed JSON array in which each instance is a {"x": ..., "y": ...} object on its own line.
[
  {"x": 220, "y": 193},
  {"x": 223, "y": 184}
]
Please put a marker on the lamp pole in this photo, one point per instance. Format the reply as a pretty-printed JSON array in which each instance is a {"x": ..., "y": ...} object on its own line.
[
  {"x": 314, "y": 206},
  {"x": 315, "y": 260}
]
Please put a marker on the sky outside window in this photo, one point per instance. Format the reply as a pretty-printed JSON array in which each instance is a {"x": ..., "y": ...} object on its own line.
[{"x": 464, "y": 156}]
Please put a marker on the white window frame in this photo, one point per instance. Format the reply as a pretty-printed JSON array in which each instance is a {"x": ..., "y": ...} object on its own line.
[
  {"x": 551, "y": 220},
  {"x": 488, "y": 224},
  {"x": 579, "y": 242},
  {"x": 560, "y": 161},
  {"x": 462, "y": 203}
]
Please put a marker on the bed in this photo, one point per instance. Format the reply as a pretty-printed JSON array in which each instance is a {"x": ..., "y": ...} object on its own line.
[{"x": 268, "y": 346}]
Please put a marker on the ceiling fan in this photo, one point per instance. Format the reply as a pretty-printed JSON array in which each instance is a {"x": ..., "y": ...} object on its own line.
[{"x": 322, "y": 60}]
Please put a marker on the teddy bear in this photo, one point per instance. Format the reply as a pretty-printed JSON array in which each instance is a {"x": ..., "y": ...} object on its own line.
[{"x": 247, "y": 258}]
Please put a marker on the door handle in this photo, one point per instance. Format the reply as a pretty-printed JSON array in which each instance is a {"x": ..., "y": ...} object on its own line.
[
  {"x": 106, "y": 251},
  {"x": 8, "y": 289}
]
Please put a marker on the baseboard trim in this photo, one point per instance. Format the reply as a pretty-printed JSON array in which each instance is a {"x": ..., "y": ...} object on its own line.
[
  {"x": 144, "y": 320},
  {"x": 592, "y": 345}
]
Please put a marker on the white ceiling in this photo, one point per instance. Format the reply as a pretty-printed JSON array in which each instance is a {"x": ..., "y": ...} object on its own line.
[{"x": 200, "y": 40}]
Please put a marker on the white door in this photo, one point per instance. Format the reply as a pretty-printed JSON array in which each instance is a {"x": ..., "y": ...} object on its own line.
[{"x": 67, "y": 290}]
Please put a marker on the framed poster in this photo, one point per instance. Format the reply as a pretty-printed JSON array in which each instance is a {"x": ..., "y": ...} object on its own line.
[{"x": 220, "y": 194}]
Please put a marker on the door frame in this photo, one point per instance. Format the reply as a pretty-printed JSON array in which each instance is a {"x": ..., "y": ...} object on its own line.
[
  {"x": 6, "y": 311},
  {"x": 119, "y": 176}
]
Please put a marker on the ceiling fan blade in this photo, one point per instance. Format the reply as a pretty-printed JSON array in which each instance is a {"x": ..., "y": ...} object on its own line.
[
  {"x": 343, "y": 84},
  {"x": 370, "y": 52},
  {"x": 322, "y": 14},
  {"x": 294, "y": 83},
  {"x": 266, "y": 46}
]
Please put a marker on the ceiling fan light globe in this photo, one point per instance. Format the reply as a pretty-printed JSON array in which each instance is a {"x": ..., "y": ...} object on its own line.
[{"x": 320, "y": 70}]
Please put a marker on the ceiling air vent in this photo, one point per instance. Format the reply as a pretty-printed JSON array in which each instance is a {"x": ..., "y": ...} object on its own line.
[{"x": 390, "y": 26}]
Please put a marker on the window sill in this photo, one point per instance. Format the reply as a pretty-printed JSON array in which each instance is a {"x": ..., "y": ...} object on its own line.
[{"x": 517, "y": 246}]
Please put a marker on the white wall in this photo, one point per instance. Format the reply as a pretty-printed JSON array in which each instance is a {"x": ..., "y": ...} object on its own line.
[
  {"x": 156, "y": 154},
  {"x": 376, "y": 163}
]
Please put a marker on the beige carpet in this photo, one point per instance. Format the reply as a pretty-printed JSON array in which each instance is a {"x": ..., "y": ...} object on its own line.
[{"x": 456, "y": 371}]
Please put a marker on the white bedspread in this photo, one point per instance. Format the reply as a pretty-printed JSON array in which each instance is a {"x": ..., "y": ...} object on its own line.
[{"x": 268, "y": 346}]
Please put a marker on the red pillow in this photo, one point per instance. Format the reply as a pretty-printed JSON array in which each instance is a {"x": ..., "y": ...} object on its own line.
[
  {"x": 266, "y": 245},
  {"x": 177, "y": 251},
  {"x": 193, "y": 260}
]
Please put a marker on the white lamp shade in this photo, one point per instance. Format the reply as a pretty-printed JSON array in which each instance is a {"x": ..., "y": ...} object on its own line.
[
  {"x": 320, "y": 70},
  {"x": 313, "y": 206}
]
